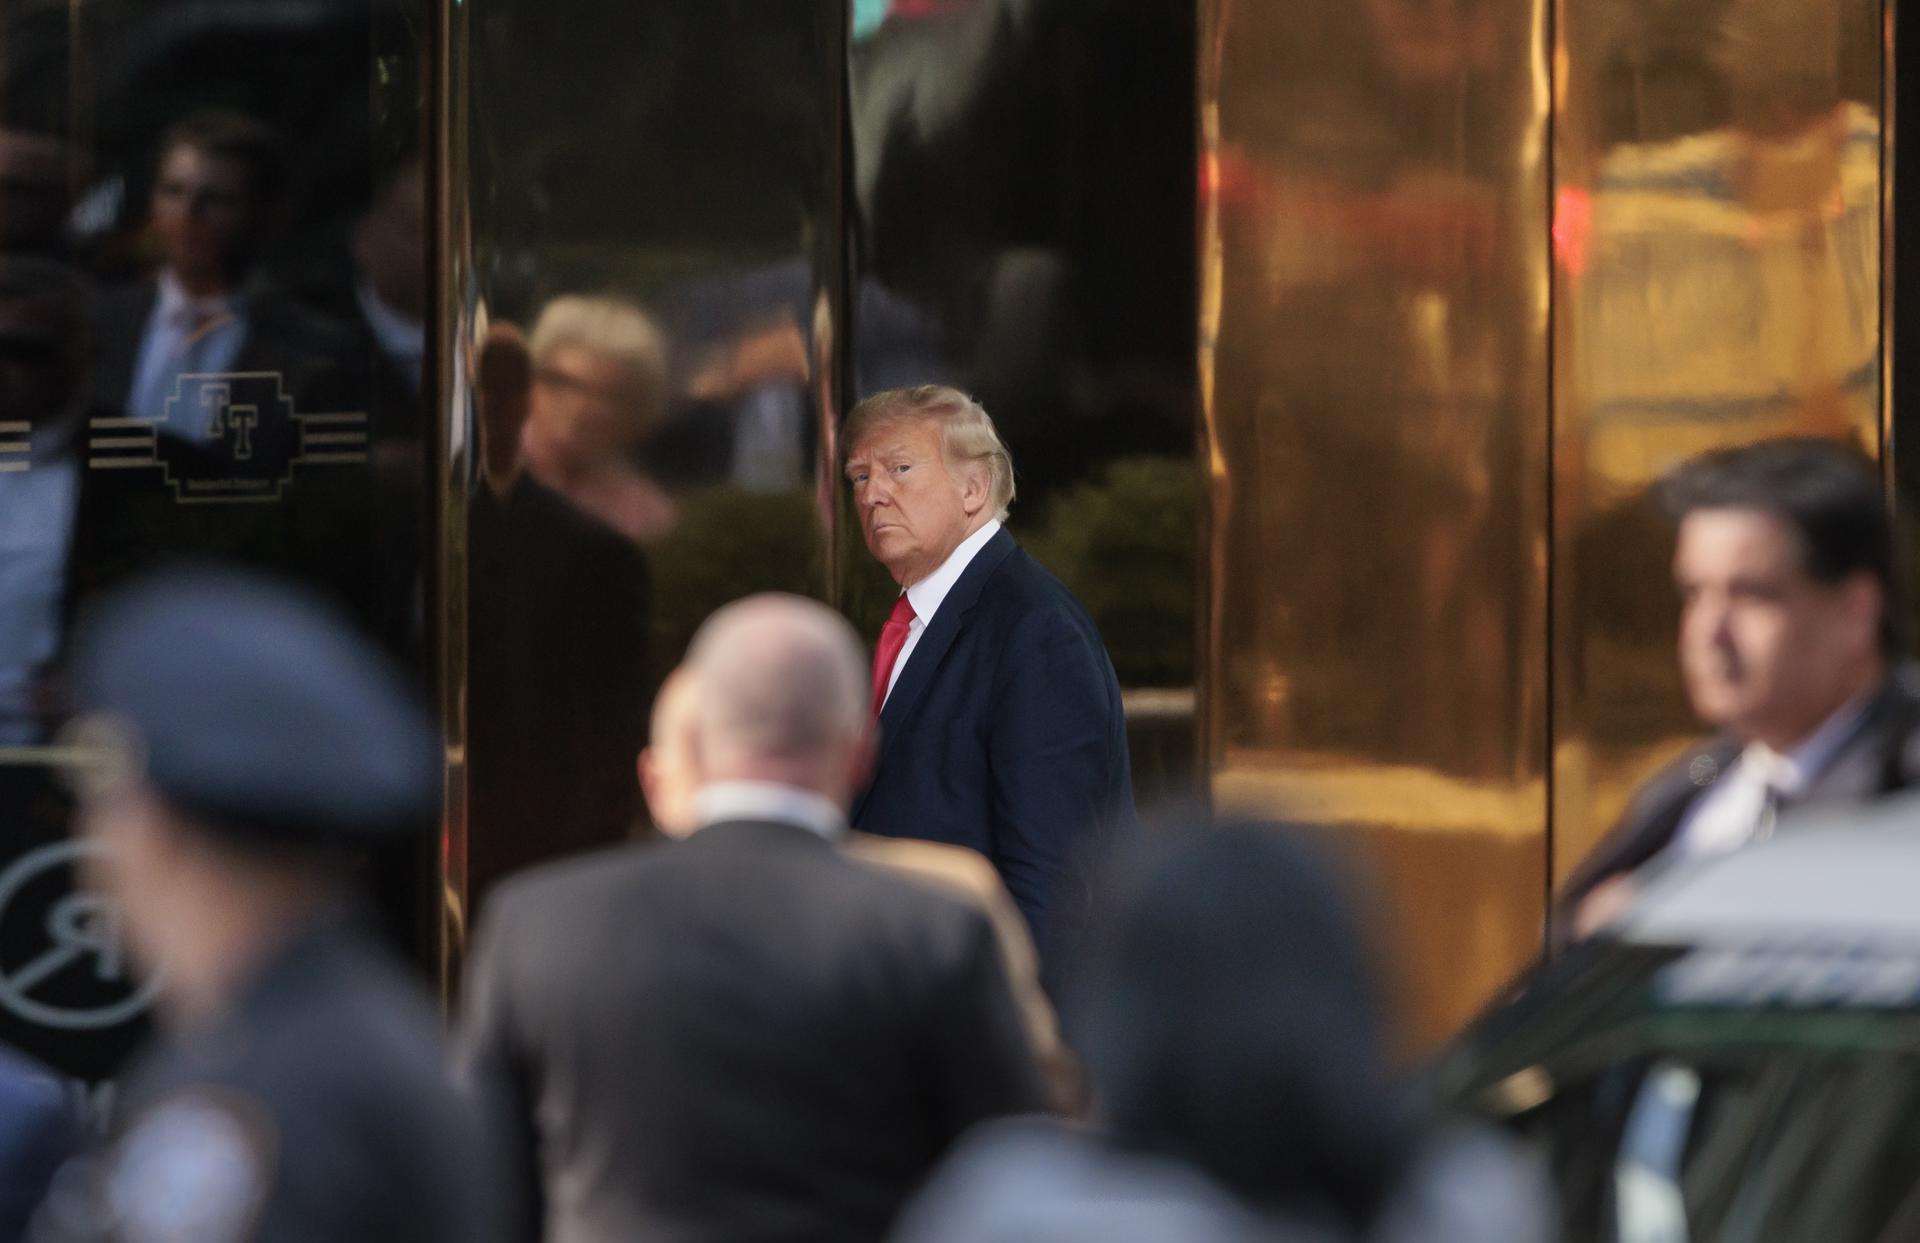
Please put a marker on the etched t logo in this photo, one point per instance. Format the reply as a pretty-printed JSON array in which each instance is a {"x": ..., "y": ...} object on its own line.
[
  {"x": 244, "y": 419},
  {"x": 225, "y": 417},
  {"x": 214, "y": 397}
]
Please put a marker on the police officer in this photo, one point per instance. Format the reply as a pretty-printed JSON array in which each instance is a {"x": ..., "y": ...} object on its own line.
[{"x": 244, "y": 746}]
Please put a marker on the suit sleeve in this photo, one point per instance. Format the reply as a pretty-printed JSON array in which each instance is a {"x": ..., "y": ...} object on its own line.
[
  {"x": 1049, "y": 749},
  {"x": 491, "y": 1067},
  {"x": 986, "y": 1065}
]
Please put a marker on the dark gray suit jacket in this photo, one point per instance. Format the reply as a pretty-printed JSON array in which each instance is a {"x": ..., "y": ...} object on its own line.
[
  {"x": 741, "y": 1036},
  {"x": 1882, "y": 756}
]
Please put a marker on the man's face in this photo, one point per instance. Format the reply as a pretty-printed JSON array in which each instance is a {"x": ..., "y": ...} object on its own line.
[
  {"x": 203, "y": 213},
  {"x": 584, "y": 402},
  {"x": 914, "y": 511},
  {"x": 1765, "y": 649}
]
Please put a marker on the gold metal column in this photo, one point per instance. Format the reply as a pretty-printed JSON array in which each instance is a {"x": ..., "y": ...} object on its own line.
[
  {"x": 1374, "y": 371},
  {"x": 1474, "y": 273}
]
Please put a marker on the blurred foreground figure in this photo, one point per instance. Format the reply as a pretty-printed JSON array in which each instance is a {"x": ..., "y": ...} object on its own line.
[
  {"x": 1226, "y": 1013},
  {"x": 1789, "y": 645},
  {"x": 246, "y": 745},
  {"x": 744, "y": 1034},
  {"x": 667, "y": 776},
  {"x": 37, "y": 1131}
]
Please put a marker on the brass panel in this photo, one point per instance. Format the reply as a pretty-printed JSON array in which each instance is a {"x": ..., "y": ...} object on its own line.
[
  {"x": 1373, "y": 370},
  {"x": 1717, "y": 278}
]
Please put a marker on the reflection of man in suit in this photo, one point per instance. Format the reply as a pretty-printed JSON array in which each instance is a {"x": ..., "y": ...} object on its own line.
[
  {"x": 557, "y": 626},
  {"x": 217, "y": 191},
  {"x": 1000, "y": 714},
  {"x": 744, "y": 1034},
  {"x": 1789, "y": 638},
  {"x": 390, "y": 283}
]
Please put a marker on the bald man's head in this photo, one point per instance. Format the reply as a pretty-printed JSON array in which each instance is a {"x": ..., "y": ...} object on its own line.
[
  {"x": 782, "y": 697},
  {"x": 667, "y": 774}
]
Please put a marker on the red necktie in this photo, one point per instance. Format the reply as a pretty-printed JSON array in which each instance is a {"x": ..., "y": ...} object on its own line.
[{"x": 893, "y": 637}]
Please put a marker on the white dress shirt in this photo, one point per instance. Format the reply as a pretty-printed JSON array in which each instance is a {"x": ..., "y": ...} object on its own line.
[
  {"x": 767, "y": 800},
  {"x": 927, "y": 594},
  {"x": 1732, "y": 813}
]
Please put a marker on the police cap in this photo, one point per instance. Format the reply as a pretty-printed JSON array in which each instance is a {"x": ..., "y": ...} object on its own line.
[{"x": 255, "y": 710}]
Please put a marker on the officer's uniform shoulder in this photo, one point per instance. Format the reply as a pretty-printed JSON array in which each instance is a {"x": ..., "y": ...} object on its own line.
[
  {"x": 199, "y": 1161},
  {"x": 325, "y": 1097}
]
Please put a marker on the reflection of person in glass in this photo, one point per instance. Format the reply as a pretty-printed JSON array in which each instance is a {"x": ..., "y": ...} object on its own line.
[
  {"x": 599, "y": 380},
  {"x": 557, "y": 648},
  {"x": 217, "y": 192},
  {"x": 42, "y": 399},
  {"x": 1001, "y": 719},
  {"x": 390, "y": 290}
]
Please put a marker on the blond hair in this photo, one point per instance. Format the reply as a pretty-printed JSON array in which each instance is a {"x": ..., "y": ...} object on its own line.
[
  {"x": 967, "y": 433},
  {"x": 616, "y": 329}
]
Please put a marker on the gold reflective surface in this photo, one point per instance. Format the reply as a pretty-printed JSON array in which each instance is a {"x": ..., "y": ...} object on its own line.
[
  {"x": 1717, "y": 279},
  {"x": 1374, "y": 351}
]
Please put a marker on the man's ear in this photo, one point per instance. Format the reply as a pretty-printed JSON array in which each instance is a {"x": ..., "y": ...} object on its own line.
[
  {"x": 976, "y": 483},
  {"x": 643, "y": 772}
]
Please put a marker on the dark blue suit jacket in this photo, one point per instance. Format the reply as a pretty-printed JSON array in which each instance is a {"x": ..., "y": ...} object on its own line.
[{"x": 1004, "y": 733}]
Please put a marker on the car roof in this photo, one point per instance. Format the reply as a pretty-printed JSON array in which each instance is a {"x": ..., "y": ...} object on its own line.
[{"x": 1844, "y": 875}]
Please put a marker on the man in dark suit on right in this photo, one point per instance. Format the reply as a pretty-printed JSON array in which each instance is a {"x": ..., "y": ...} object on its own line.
[
  {"x": 1000, "y": 716},
  {"x": 745, "y": 1034},
  {"x": 1790, "y": 644}
]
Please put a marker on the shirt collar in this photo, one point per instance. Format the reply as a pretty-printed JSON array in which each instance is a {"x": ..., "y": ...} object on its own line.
[
  {"x": 175, "y": 302},
  {"x": 927, "y": 594},
  {"x": 766, "y": 800},
  {"x": 1794, "y": 771}
]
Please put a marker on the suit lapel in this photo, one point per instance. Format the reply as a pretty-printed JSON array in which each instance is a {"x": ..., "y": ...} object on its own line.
[
  {"x": 924, "y": 661},
  {"x": 1859, "y": 770}
]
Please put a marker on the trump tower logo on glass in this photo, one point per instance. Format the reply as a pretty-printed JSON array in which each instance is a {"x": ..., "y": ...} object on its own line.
[{"x": 228, "y": 436}]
